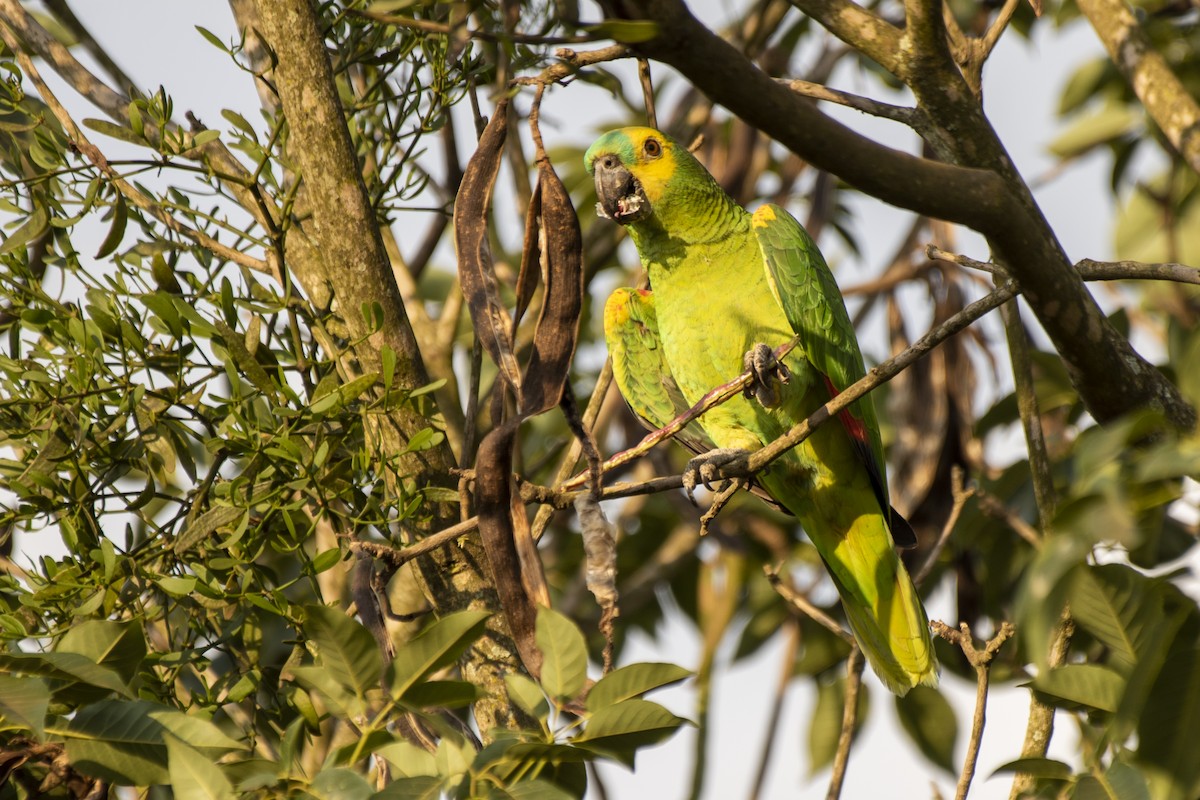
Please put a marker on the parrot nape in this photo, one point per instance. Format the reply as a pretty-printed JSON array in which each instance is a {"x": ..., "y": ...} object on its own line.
[{"x": 727, "y": 286}]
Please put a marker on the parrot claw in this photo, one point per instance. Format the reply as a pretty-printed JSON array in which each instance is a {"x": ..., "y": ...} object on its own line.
[
  {"x": 769, "y": 373},
  {"x": 706, "y": 468}
]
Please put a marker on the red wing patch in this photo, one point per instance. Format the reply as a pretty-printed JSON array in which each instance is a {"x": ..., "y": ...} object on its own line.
[{"x": 853, "y": 425}]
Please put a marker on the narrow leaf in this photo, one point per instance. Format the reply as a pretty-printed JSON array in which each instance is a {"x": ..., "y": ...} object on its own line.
[
  {"x": 116, "y": 231},
  {"x": 33, "y": 227}
]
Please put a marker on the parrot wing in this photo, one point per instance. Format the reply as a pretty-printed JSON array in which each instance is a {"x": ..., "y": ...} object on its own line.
[
  {"x": 643, "y": 376},
  {"x": 805, "y": 289},
  {"x": 640, "y": 368}
]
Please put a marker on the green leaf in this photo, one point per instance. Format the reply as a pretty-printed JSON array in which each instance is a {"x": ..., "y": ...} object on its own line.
[
  {"x": 199, "y": 733},
  {"x": 345, "y": 648},
  {"x": 621, "y": 729},
  {"x": 65, "y": 669},
  {"x": 23, "y": 704},
  {"x": 1110, "y": 602},
  {"x": 441, "y": 694},
  {"x": 1037, "y": 767},
  {"x": 115, "y": 131},
  {"x": 118, "y": 741},
  {"x": 119, "y": 646},
  {"x": 339, "y": 783},
  {"x": 632, "y": 31},
  {"x": 930, "y": 721},
  {"x": 194, "y": 776},
  {"x": 632, "y": 681},
  {"x": 527, "y": 694},
  {"x": 825, "y": 727},
  {"x": 207, "y": 523},
  {"x": 420, "y": 788},
  {"x": 33, "y": 227},
  {"x": 537, "y": 790},
  {"x": 1127, "y": 782},
  {"x": 564, "y": 655},
  {"x": 435, "y": 647},
  {"x": 116, "y": 231},
  {"x": 1090, "y": 685},
  {"x": 1169, "y": 726},
  {"x": 408, "y": 760},
  {"x": 1091, "y": 130}
]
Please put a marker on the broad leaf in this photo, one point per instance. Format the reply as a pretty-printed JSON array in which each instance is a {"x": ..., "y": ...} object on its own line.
[
  {"x": 119, "y": 646},
  {"x": 23, "y": 704},
  {"x": 621, "y": 729},
  {"x": 193, "y": 775},
  {"x": 435, "y": 647},
  {"x": 1088, "y": 685},
  {"x": 345, "y": 648},
  {"x": 564, "y": 653},
  {"x": 632, "y": 681}
]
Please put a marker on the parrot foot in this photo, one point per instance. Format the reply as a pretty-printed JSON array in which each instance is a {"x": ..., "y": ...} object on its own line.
[
  {"x": 706, "y": 468},
  {"x": 769, "y": 373}
]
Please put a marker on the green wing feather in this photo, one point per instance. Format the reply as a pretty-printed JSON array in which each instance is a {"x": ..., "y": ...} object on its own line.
[
  {"x": 640, "y": 367},
  {"x": 806, "y": 290}
]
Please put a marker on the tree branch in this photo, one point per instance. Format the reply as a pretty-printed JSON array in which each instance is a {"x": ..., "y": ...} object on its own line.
[
  {"x": 1168, "y": 102},
  {"x": 981, "y": 660}
]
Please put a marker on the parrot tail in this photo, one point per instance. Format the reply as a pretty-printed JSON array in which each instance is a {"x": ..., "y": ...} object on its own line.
[{"x": 885, "y": 614}]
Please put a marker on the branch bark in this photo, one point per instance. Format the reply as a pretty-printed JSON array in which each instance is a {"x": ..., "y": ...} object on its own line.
[{"x": 1168, "y": 102}]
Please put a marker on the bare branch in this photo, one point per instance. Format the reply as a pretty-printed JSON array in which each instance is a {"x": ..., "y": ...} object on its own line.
[
  {"x": 981, "y": 660},
  {"x": 1167, "y": 100},
  {"x": 909, "y": 116},
  {"x": 802, "y": 604},
  {"x": 854, "y": 671},
  {"x": 961, "y": 495}
]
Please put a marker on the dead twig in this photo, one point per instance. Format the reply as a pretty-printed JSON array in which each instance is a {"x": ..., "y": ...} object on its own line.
[
  {"x": 981, "y": 660},
  {"x": 854, "y": 671},
  {"x": 802, "y": 604},
  {"x": 961, "y": 495}
]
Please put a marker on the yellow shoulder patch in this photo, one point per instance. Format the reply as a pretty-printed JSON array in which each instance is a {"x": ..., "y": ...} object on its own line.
[{"x": 763, "y": 216}]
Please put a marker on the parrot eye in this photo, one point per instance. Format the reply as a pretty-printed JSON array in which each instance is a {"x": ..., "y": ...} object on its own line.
[{"x": 652, "y": 148}]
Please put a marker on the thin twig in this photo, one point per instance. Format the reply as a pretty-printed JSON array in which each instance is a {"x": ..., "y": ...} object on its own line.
[
  {"x": 1090, "y": 269},
  {"x": 854, "y": 671},
  {"x": 449, "y": 29},
  {"x": 647, "y": 92},
  {"x": 571, "y": 61},
  {"x": 720, "y": 500},
  {"x": 912, "y": 117},
  {"x": 960, "y": 495},
  {"x": 802, "y": 604},
  {"x": 991, "y": 505},
  {"x": 981, "y": 660},
  {"x": 983, "y": 47}
]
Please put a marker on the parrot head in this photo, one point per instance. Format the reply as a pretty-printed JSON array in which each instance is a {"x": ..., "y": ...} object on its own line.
[{"x": 642, "y": 173}]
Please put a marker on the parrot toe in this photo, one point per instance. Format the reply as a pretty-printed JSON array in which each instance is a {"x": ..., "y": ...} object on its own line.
[
  {"x": 769, "y": 374},
  {"x": 706, "y": 468}
]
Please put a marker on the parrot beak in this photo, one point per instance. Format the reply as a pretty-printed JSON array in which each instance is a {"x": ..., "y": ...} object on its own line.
[{"x": 620, "y": 195}]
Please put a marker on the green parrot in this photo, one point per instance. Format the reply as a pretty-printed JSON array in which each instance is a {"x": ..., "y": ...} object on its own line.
[{"x": 727, "y": 287}]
